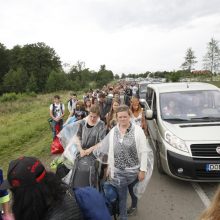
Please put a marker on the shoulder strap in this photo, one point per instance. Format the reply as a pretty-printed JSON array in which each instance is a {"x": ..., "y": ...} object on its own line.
[
  {"x": 71, "y": 103},
  {"x": 61, "y": 107},
  {"x": 53, "y": 109}
]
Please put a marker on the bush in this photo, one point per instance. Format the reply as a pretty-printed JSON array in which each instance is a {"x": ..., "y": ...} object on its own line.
[
  {"x": 31, "y": 94},
  {"x": 8, "y": 97}
]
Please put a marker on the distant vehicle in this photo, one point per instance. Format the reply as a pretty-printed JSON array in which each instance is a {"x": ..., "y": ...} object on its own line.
[
  {"x": 142, "y": 87},
  {"x": 184, "y": 126}
]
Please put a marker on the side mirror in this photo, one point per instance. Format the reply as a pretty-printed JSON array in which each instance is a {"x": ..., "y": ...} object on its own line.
[
  {"x": 142, "y": 101},
  {"x": 150, "y": 115}
]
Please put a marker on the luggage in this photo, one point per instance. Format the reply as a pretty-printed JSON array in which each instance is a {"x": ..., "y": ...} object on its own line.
[
  {"x": 111, "y": 198},
  {"x": 85, "y": 172}
]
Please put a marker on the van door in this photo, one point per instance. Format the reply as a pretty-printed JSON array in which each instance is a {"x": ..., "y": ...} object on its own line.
[{"x": 154, "y": 126}]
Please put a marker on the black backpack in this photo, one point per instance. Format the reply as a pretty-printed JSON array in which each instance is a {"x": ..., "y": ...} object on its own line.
[{"x": 85, "y": 172}]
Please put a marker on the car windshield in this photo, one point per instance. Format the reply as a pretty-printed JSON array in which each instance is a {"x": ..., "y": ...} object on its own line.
[{"x": 190, "y": 106}]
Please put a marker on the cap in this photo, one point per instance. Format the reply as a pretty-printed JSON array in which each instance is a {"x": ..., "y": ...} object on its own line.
[{"x": 23, "y": 172}]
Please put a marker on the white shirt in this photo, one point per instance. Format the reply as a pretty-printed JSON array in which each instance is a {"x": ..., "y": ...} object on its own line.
[
  {"x": 73, "y": 107},
  {"x": 134, "y": 90},
  {"x": 137, "y": 120},
  {"x": 57, "y": 109}
]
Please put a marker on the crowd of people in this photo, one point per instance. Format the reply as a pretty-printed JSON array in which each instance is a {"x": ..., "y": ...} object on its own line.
[{"x": 112, "y": 129}]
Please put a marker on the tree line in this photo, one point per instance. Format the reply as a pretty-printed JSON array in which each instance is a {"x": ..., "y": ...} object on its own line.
[
  {"x": 37, "y": 68},
  {"x": 211, "y": 65}
]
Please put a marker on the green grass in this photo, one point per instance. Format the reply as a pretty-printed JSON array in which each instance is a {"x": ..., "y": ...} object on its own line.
[{"x": 25, "y": 129}]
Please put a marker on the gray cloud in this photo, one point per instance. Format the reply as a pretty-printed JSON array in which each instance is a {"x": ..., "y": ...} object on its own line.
[{"x": 167, "y": 14}]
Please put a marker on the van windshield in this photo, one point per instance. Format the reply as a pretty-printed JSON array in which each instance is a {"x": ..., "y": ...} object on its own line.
[{"x": 190, "y": 105}]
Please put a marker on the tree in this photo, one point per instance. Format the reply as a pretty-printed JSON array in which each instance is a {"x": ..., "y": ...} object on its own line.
[
  {"x": 15, "y": 80},
  {"x": 117, "y": 76},
  {"x": 56, "y": 81},
  {"x": 212, "y": 58},
  {"x": 32, "y": 84},
  {"x": 104, "y": 76},
  {"x": 123, "y": 76},
  {"x": 37, "y": 59},
  {"x": 190, "y": 60},
  {"x": 4, "y": 61}
]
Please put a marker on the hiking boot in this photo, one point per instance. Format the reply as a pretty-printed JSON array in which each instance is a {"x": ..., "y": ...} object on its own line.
[{"x": 132, "y": 211}]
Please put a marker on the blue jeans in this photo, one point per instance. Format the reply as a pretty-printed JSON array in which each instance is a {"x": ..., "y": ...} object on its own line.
[
  {"x": 122, "y": 193},
  {"x": 53, "y": 124},
  {"x": 134, "y": 198}
]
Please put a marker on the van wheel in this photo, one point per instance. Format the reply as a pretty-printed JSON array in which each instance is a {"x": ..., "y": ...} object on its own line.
[{"x": 158, "y": 160}]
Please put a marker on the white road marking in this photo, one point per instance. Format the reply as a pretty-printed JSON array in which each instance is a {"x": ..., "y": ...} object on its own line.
[{"x": 206, "y": 201}]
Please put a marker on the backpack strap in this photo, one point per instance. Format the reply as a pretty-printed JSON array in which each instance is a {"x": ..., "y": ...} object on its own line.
[
  {"x": 71, "y": 103},
  {"x": 61, "y": 107},
  {"x": 53, "y": 110}
]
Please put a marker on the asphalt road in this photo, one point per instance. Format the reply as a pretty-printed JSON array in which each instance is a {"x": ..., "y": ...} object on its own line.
[{"x": 167, "y": 198}]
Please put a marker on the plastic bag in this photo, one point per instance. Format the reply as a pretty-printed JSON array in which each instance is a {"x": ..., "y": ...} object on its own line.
[
  {"x": 68, "y": 133},
  {"x": 71, "y": 151},
  {"x": 140, "y": 187},
  {"x": 56, "y": 147},
  {"x": 57, "y": 128},
  {"x": 56, "y": 161},
  {"x": 67, "y": 178}
]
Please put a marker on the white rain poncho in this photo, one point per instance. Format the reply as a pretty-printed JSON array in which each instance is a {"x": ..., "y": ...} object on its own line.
[
  {"x": 120, "y": 178},
  {"x": 140, "y": 187},
  {"x": 76, "y": 136}
]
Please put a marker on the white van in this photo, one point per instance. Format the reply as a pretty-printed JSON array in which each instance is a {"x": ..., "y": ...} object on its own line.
[{"x": 184, "y": 126}]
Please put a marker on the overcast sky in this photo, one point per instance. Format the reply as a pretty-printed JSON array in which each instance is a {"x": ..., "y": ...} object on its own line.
[{"x": 128, "y": 36}]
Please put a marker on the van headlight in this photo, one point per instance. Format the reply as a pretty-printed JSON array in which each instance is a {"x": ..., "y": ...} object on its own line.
[{"x": 176, "y": 142}]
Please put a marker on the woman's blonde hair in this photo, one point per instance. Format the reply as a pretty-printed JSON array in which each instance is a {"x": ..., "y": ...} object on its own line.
[
  {"x": 213, "y": 211},
  {"x": 135, "y": 99},
  {"x": 111, "y": 113}
]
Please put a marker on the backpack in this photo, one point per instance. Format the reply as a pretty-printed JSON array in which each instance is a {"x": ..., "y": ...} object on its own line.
[
  {"x": 71, "y": 103},
  {"x": 92, "y": 204},
  {"x": 85, "y": 172},
  {"x": 111, "y": 198}
]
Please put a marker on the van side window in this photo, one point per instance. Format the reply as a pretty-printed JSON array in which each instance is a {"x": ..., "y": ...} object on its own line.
[{"x": 149, "y": 96}]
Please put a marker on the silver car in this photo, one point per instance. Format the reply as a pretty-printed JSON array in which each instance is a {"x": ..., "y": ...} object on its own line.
[{"x": 184, "y": 126}]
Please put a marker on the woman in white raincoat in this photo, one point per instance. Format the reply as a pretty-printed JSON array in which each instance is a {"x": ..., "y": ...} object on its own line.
[{"x": 125, "y": 151}]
